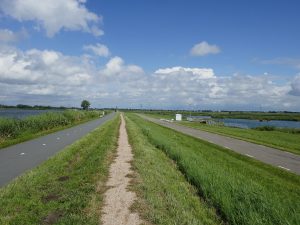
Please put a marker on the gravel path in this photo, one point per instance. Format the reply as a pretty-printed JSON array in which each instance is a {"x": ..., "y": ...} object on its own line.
[{"x": 118, "y": 199}]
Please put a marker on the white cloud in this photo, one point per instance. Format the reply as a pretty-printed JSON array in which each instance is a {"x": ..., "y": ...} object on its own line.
[
  {"x": 203, "y": 48},
  {"x": 98, "y": 49},
  {"x": 43, "y": 72},
  {"x": 196, "y": 72},
  {"x": 50, "y": 77},
  {"x": 54, "y": 15},
  {"x": 295, "y": 85},
  {"x": 116, "y": 68},
  {"x": 7, "y": 36}
]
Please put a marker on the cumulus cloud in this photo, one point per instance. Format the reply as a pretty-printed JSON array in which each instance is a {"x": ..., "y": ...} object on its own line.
[
  {"x": 203, "y": 48},
  {"x": 51, "y": 77},
  {"x": 8, "y": 36},
  {"x": 98, "y": 49},
  {"x": 116, "y": 69},
  {"x": 42, "y": 72},
  {"x": 54, "y": 15},
  {"x": 196, "y": 72},
  {"x": 295, "y": 85}
]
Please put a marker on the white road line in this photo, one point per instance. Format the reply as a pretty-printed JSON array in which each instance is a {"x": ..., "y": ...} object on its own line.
[
  {"x": 251, "y": 156},
  {"x": 58, "y": 138},
  {"x": 284, "y": 168},
  {"x": 44, "y": 144},
  {"x": 226, "y": 147},
  {"x": 22, "y": 153}
]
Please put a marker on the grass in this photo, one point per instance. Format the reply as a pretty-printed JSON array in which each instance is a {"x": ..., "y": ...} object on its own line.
[
  {"x": 165, "y": 197},
  {"x": 13, "y": 131},
  {"x": 291, "y": 116},
  {"x": 67, "y": 188},
  {"x": 283, "y": 140},
  {"x": 241, "y": 189},
  {"x": 286, "y": 139}
]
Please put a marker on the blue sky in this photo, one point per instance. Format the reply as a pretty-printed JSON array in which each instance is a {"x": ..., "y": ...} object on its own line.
[{"x": 163, "y": 54}]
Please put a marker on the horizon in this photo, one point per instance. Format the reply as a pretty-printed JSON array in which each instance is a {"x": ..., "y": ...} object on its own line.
[
  {"x": 180, "y": 55},
  {"x": 26, "y": 107}
]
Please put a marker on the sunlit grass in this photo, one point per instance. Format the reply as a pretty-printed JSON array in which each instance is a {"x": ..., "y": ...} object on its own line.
[
  {"x": 67, "y": 188},
  {"x": 13, "y": 131},
  {"x": 242, "y": 190}
]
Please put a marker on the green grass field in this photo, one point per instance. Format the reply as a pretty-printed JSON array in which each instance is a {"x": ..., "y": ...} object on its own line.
[
  {"x": 165, "y": 197},
  {"x": 291, "y": 116},
  {"x": 67, "y": 188},
  {"x": 240, "y": 189},
  {"x": 13, "y": 131},
  {"x": 281, "y": 140}
]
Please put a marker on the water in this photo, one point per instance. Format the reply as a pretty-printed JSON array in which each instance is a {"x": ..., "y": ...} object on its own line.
[
  {"x": 21, "y": 113},
  {"x": 245, "y": 123}
]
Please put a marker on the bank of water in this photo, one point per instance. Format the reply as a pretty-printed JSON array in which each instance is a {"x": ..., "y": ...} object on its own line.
[
  {"x": 245, "y": 123},
  {"x": 22, "y": 113}
]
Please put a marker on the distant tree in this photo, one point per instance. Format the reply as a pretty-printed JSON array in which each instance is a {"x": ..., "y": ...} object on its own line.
[{"x": 85, "y": 104}]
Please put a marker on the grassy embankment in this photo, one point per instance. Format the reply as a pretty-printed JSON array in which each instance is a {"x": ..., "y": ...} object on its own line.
[
  {"x": 67, "y": 188},
  {"x": 13, "y": 131},
  {"x": 165, "y": 197},
  {"x": 233, "y": 115},
  {"x": 281, "y": 138},
  {"x": 241, "y": 189}
]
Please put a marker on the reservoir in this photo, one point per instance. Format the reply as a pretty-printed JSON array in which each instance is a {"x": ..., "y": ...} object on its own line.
[{"x": 245, "y": 123}]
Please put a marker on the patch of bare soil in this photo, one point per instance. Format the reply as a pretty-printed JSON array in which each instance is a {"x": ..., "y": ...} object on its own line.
[
  {"x": 52, "y": 218},
  {"x": 50, "y": 197},
  {"x": 118, "y": 199},
  {"x": 63, "y": 178}
]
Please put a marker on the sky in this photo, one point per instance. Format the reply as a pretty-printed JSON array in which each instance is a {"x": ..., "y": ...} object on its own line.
[{"x": 160, "y": 54}]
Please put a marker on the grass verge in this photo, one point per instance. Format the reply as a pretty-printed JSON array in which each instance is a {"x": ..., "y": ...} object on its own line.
[
  {"x": 67, "y": 188},
  {"x": 277, "y": 139},
  {"x": 242, "y": 190},
  {"x": 165, "y": 197},
  {"x": 13, "y": 131}
]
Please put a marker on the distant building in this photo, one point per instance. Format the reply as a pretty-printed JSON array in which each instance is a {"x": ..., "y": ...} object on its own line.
[{"x": 178, "y": 117}]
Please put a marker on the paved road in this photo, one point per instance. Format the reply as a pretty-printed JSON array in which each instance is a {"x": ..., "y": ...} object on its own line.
[
  {"x": 275, "y": 157},
  {"x": 16, "y": 159}
]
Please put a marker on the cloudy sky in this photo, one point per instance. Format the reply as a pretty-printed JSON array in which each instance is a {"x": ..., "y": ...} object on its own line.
[{"x": 221, "y": 55}]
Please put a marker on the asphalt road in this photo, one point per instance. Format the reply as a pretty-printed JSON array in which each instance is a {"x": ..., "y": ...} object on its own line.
[
  {"x": 275, "y": 157},
  {"x": 16, "y": 159}
]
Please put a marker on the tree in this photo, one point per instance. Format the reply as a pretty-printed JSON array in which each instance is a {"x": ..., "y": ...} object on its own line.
[{"x": 85, "y": 104}]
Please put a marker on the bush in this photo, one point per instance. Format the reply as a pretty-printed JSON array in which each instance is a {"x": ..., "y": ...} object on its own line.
[{"x": 266, "y": 128}]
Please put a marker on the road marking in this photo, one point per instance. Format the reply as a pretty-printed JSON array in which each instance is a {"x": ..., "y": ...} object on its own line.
[
  {"x": 284, "y": 168},
  {"x": 22, "y": 153},
  {"x": 44, "y": 144},
  {"x": 226, "y": 147},
  {"x": 58, "y": 138},
  {"x": 251, "y": 156}
]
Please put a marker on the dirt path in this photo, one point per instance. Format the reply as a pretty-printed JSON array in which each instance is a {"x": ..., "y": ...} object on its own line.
[{"x": 118, "y": 199}]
